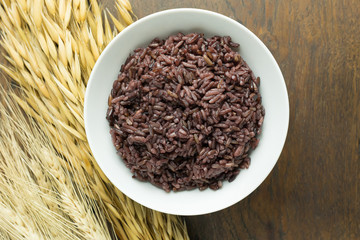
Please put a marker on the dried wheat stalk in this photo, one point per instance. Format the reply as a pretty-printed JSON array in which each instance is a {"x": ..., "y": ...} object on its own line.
[
  {"x": 51, "y": 48},
  {"x": 37, "y": 195}
]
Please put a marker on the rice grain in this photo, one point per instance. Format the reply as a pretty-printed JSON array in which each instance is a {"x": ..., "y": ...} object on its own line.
[{"x": 184, "y": 117}]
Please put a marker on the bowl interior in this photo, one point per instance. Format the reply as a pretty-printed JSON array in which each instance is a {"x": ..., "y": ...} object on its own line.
[{"x": 274, "y": 95}]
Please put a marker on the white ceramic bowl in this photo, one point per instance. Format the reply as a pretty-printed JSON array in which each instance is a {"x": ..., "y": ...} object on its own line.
[{"x": 273, "y": 91}]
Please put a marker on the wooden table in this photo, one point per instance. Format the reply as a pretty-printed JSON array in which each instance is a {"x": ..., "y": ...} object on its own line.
[{"x": 314, "y": 191}]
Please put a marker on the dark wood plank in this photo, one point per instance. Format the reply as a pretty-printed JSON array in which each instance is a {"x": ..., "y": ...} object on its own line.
[{"x": 313, "y": 192}]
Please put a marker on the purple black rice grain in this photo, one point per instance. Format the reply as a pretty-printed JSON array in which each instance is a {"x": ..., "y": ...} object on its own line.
[{"x": 185, "y": 112}]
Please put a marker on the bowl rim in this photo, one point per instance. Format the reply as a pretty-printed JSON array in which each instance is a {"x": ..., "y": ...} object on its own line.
[{"x": 225, "y": 18}]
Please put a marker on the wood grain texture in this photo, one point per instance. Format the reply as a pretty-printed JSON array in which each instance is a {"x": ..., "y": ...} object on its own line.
[{"x": 313, "y": 192}]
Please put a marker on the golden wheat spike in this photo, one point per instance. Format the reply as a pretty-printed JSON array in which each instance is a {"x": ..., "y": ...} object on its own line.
[
  {"x": 82, "y": 10},
  {"x": 18, "y": 46},
  {"x": 108, "y": 33},
  {"x": 5, "y": 18},
  {"x": 10, "y": 72},
  {"x": 124, "y": 14},
  {"x": 54, "y": 88},
  {"x": 116, "y": 22},
  {"x": 36, "y": 12},
  {"x": 53, "y": 29},
  {"x": 15, "y": 15},
  {"x": 50, "y": 46},
  {"x": 76, "y": 3},
  {"x": 93, "y": 46},
  {"x": 33, "y": 63},
  {"x": 65, "y": 91},
  {"x": 95, "y": 8},
  {"x": 43, "y": 44},
  {"x": 62, "y": 52},
  {"x": 22, "y": 4},
  {"x": 38, "y": 82},
  {"x": 126, "y": 4},
  {"x": 61, "y": 9},
  {"x": 67, "y": 16},
  {"x": 68, "y": 46},
  {"x": 13, "y": 54},
  {"x": 50, "y": 5},
  {"x": 99, "y": 32},
  {"x": 92, "y": 24}
]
